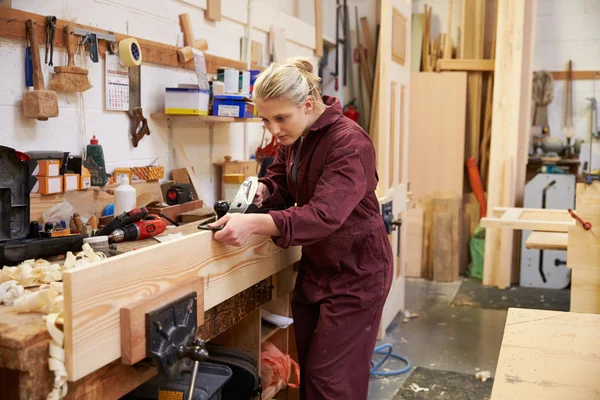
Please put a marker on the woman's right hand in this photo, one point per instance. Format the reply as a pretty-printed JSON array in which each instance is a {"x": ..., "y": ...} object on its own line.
[{"x": 262, "y": 194}]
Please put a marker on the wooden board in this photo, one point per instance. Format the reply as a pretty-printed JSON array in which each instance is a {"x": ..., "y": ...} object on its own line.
[
  {"x": 445, "y": 249},
  {"x": 133, "y": 318},
  {"x": 547, "y": 220},
  {"x": 399, "y": 35},
  {"x": 89, "y": 201},
  {"x": 414, "y": 245},
  {"x": 318, "y": 28},
  {"x": 547, "y": 241},
  {"x": 584, "y": 246},
  {"x": 585, "y": 290},
  {"x": 12, "y": 25},
  {"x": 460, "y": 64},
  {"x": 436, "y": 144},
  {"x": 510, "y": 129},
  {"x": 213, "y": 10},
  {"x": 247, "y": 168},
  {"x": 548, "y": 355},
  {"x": 94, "y": 295}
]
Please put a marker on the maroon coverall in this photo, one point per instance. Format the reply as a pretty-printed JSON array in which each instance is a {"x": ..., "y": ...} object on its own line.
[{"x": 346, "y": 266}]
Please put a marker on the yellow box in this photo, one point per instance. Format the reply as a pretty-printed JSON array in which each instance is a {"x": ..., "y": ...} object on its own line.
[
  {"x": 71, "y": 182},
  {"x": 47, "y": 168},
  {"x": 48, "y": 185},
  {"x": 86, "y": 179},
  {"x": 120, "y": 173}
]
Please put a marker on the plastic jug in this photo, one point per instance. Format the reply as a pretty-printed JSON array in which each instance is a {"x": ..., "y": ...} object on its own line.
[{"x": 125, "y": 197}]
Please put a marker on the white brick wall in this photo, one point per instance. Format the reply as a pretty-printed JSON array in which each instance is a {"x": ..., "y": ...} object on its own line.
[
  {"x": 565, "y": 29},
  {"x": 82, "y": 116}
]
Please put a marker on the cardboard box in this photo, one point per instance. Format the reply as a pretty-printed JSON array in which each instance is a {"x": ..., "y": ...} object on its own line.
[
  {"x": 48, "y": 185},
  {"x": 71, "y": 182},
  {"x": 86, "y": 179},
  {"x": 47, "y": 168},
  {"x": 236, "y": 106},
  {"x": 186, "y": 101}
]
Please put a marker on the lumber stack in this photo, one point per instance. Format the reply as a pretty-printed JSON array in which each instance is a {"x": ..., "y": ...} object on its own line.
[{"x": 448, "y": 112}]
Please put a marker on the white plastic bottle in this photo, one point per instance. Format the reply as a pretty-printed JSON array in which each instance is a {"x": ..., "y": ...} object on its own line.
[{"x": 125, "y": 197}]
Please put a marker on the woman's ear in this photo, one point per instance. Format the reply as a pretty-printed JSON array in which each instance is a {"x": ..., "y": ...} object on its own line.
[{"x": 308, "y": 105}]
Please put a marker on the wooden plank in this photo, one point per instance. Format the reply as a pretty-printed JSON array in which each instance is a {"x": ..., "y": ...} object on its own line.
[
  {"x": 535, "y": 342},
  {"x": 584, "y": 246},
  {"x": 447, "y": 52},
  {"x": 133, "y": 318},
  {"x": 12, "y": 25},
  {"x": 399, "y": 35},
  {"x": 89, "y": 201},
  {"x": 585, "y": 290},
  {"x": 442, "y": 247},
  {"x": 440, "y": 169},
  {"x": 94, "y": 295},
  {"x": 416, "y": 41},
  {"x": 213, "y": 10},
  {"x": 318, "y": 28},
  {"x": 510, "y": 128},
  {"x": 577, "y": 75},
  {"x": 530, "y": 219},
  {"x": 394, "y": 110},
  {"x": 460, "y": 64},
  {"x": 547, "y": 241},
  {"x": 369, "y": 44},
  {"x": 414, "y": 236}
]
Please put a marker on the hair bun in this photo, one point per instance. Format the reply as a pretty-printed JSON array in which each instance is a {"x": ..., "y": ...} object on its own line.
[{"x": 303, "y": 64}]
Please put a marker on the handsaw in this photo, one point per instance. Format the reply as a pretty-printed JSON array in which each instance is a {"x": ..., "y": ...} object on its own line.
[{"x": 139, "y": 124}]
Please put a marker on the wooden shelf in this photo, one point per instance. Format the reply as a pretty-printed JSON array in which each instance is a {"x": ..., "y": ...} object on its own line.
[
  {"x": 208, "y": 119},
  {"x": 267, "y": 330}
]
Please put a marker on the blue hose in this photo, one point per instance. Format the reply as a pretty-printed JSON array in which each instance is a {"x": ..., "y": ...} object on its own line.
[{"x": 387, "y": 354}]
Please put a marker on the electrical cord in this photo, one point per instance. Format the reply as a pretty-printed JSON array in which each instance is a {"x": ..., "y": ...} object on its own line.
[{"x": 387, "y": 354}]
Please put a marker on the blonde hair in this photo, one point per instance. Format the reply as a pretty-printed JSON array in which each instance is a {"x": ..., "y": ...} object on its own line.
[{"x": 293, "y": 80}]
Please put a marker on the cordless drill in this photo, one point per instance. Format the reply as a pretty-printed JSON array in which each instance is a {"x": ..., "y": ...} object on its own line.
[{"x": 150, "y": 226}]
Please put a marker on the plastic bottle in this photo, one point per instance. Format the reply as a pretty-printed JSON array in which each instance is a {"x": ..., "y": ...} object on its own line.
[
  {"x": 125, "y": 197},
  {"x": 94, "y": 162}
]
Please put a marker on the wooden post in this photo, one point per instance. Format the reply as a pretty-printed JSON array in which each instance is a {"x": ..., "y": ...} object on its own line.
[
  {"x": 318, "y": 28},
  {"x": 510, "y": 128}
]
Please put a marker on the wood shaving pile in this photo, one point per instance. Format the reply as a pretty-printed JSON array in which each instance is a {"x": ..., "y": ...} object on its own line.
[{"x": 48, "y": 299}]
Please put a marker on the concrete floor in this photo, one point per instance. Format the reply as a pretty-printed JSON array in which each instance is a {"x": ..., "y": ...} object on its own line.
[{"x": 443, "y": 337}]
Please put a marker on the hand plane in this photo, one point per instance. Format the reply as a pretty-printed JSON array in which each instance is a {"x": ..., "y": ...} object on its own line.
[{"x": 241, "y": 204}]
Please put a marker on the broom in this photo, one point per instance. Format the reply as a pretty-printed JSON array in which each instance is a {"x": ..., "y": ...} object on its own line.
[{"x": 70, "y": 78}]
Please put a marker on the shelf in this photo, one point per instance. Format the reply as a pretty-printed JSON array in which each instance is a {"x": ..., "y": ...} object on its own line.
[
  {"x": 208, "y": 119},
  {"x": 267, "y": 330}
]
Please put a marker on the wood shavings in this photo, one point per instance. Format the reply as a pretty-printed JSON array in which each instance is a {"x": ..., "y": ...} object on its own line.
[
  {"x": 56, "y": 362},
  {"x": 45, "y": 300},
  {"x": 10, "y": 291},
  {"x": 416, "y": 388},
  {"x": 408, "y": 316},
  {"x": 483, "y": 376}
]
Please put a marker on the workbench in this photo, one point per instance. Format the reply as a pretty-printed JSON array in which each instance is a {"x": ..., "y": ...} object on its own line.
[
  {"x": 24, "y": 339},
  {"x": 548, "y": 355}
]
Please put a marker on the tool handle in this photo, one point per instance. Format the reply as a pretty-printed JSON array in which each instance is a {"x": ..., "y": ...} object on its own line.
[
  {"x": 38, "y": 78},
  {"x": 139, "y": 126},
  {"x": 70, "y": 44},
  {"x": 28, "y": 68}
]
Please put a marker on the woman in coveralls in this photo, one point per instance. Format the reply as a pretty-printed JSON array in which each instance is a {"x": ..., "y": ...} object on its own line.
[{"x": 326, "y": 166}]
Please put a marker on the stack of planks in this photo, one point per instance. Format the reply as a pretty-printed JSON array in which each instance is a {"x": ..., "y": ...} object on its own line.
[
  {"x": 436, "y": 116},
  {"x": 436, "y": 147}
]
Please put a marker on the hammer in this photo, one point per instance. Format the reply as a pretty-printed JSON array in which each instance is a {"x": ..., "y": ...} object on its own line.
[{"x": 40, "y": 104}]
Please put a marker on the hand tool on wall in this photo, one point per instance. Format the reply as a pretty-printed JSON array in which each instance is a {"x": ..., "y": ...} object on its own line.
[
  {"x": 139, "y": 124},
  {"x": 38, "y": 104},
  {"x": 70, "y": 78},
  {"x": 50, "y": 32},
  {"x": 90, "y": 38},
  {"x": 28, "y": 65},
  {"x": 150, "y": 226}
]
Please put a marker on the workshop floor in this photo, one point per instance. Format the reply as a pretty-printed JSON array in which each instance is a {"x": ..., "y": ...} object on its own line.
[{"x": 443, "y": 337}]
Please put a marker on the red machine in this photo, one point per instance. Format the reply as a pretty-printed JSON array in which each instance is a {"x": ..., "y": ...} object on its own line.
[{"x": 150, "y": 226}]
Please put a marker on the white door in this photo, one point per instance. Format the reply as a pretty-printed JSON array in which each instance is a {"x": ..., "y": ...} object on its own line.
[{"x": 390, "y": 136}]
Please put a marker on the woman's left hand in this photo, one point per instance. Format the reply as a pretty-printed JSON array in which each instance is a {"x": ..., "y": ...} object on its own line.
[{"x": 238, "y": 228}]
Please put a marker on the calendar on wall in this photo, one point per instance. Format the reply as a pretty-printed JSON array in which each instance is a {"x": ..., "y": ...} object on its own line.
[{"x": 117, "y": 84}]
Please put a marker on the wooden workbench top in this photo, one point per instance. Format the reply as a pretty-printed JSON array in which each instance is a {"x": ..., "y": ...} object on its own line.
[{"x": 549, "y": 355}]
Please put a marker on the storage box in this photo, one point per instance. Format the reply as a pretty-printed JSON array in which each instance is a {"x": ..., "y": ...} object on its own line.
[
  {"x": 71, "y": 182},
  {"x": 47, "y": 168},
  {"x": 48, "y": 185},
  {"x": 231, "y": 78},
  {"x": 233, "y": 106},
  {"x": 85, "y": 181},
  {"x": 120, "y": 173},
  {"x": 187, "y": 101}
]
